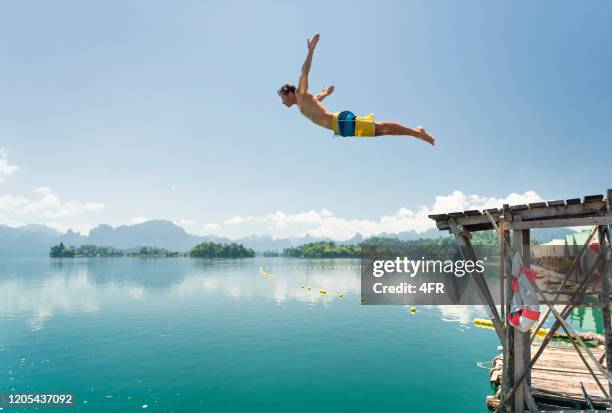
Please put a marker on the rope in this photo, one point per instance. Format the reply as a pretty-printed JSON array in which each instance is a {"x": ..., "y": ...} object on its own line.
[{"x": 485, "y": 364}]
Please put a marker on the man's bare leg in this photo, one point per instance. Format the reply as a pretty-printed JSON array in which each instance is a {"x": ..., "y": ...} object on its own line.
[{"x": 394, "y": 128}]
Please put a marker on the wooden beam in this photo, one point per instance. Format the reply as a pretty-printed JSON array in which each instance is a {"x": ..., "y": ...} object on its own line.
[
  {"x": 604, "y": 269},
  {"x": 467, "y": 251},
  {"x": 522, "y": 341},
  {"x": 481, "y": 222},
  {"x": 573, "y": 267},
  {"x": 573, "y": 336},
  {"x": 506, "y": 289},
  {"x": 565, "y": 222}
]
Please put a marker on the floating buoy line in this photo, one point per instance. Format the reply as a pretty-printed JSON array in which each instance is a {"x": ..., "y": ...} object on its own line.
[{"x": 322, "y": 291}]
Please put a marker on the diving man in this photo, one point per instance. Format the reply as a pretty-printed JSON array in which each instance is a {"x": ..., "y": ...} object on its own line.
[{"x": 344, "y": 123}]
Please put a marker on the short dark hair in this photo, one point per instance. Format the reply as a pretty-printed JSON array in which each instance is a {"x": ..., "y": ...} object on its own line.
[{"x": 286, "y": 89}]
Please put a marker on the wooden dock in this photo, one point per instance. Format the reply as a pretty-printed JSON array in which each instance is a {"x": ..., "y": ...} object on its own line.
[{"x": 556, "y": 379}]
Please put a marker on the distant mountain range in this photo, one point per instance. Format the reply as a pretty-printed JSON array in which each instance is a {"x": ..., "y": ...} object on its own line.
[{"x": 33, "y": 239}]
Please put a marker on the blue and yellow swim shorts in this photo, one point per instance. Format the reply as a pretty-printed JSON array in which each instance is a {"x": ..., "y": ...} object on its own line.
[{"x": 347, "y": 124}]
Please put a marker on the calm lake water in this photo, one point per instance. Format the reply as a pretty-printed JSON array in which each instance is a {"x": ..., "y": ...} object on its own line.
[{"x": 191, "y": 335}]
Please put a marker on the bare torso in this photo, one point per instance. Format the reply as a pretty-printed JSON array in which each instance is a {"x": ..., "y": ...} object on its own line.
[{"x": 314, "y": 110}]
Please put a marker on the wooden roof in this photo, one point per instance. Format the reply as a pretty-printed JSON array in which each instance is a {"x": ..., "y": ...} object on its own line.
[{"x": 592, "y": 210}]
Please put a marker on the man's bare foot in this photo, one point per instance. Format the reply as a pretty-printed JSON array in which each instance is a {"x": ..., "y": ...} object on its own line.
[{"x": 421, "y": 134}]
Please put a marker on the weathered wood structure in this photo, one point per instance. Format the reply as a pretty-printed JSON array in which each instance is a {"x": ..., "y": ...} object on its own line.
[{"x": 521, "y": 374}]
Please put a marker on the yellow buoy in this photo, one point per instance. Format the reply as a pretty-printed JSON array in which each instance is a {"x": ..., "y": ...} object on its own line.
[
  {"x": 302, "y": 286},
  {"x": 309, "y": 288},
  {"x": 322, "y": 291},
  {"x": 483, "y": 323},
  {"x": 340, "y": 295},
  {"x": 413, "y": 310}
]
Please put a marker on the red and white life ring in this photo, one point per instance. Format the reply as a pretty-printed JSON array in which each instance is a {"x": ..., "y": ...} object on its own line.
[{"x": 525, "y": 307}]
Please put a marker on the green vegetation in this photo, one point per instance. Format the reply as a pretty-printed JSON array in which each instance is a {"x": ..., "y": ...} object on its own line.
[
  {"x": 95, "y": 251},
  {"x": 382, "y": 245},
  {"x": 271, "y": 254},
  {"x": 214, "y": 250},
  {"x": 61, "y": 251},
  {"x": 323, "y": 250},
  {"x": 154, "y": 252}
]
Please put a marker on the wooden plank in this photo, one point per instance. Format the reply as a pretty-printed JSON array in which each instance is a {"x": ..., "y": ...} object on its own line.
[
  {"x": 437, "y": 217},
  {"x": 456, "y": 214},
  {"x": 565, "y": 222},
  {"x": 559, "y": 202},
  {"x": 573, "y": 201},
  {"x": 557, "y": 376},
  {"x": 492, "y": 210},
  {"x": 473, "y": 212},
  {"x": 567, "y": 211},
  {"x": 518, "y": 207},
  {"x": 592, "y": 198},
  {"x": 535, "y": 205}
]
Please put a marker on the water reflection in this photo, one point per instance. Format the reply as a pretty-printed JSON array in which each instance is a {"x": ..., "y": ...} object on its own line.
[{"x": 38, "y": 289}]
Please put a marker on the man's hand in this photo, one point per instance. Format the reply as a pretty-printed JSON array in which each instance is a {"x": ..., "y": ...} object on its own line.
[
  {"x": 325, "y": 92},
  {"x": 312, "y": 43}
]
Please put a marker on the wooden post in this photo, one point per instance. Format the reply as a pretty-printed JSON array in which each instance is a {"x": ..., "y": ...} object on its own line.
[
  {"x": 506, "y": 264},
  {"x": 522, "y": 341},
  {"x": 604, "y": 268}
]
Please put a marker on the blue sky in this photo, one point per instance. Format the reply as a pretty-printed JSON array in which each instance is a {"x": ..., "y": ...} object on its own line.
[{"x": 122, "y": 111}]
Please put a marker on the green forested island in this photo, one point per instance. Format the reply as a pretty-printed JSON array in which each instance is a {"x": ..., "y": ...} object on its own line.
[
  {"x": 214, "y": 250},
  {"x": 204, "y": 250},
  {"x": 323, "y": 249},
  {"x": 62, "y": 251}
]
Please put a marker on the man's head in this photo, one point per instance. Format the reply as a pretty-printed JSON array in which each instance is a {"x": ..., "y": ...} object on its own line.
[{"x": 287, "y": 94}]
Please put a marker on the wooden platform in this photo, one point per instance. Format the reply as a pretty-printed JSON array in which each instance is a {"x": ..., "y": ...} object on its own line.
[{"x": 556, "y": 378}]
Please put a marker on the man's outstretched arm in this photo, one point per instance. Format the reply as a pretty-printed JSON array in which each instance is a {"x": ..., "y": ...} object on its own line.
[
  {"x": 325, "y": 93},
  {"x": 303, "y": 85}
]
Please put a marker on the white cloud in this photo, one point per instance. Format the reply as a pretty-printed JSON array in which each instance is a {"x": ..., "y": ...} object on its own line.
[
  {"x": 326, "y": 224},
  {"x": 457, "y": 201},
  {"x": 238, "y": 220},
  {"x": 48, "y": 205},
  {"x": 138, "y": 220},
  {"x": 6, "y": 169},
  {"x": 212, "y": 227}
]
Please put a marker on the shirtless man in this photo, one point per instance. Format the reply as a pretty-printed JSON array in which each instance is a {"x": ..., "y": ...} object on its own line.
[{"x": 343, "y": 123}]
